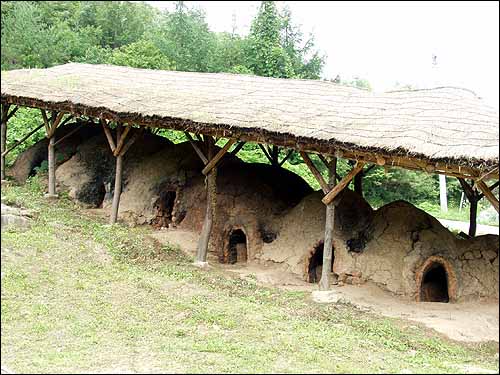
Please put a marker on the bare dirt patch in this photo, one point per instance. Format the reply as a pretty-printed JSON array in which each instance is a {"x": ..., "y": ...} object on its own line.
[{"x": 463, "y": 321}]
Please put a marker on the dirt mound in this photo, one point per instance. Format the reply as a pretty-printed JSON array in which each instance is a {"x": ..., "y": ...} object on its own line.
[
  {"x": 267, "y": 214},
  {"x": 89, "y": 174},
  {"x": 25, "y": 164},
  {"x": 167, "y": 189},
  {"x": 399, "y": 247},
  {"x": 301, "y": 230}
]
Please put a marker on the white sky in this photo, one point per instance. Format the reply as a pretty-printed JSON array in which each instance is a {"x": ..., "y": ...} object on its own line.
[{"x": 390, "y": 42}]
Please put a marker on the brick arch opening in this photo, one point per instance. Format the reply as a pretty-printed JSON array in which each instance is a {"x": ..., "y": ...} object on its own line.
[
  {"x": 314, "y": 263},
  {"x": 436, "y": 281}
]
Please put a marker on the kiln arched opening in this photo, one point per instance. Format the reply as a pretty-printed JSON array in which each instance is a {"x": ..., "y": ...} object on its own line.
[
  {"x": 315, "y": 265},
  {"x": 164, "y": 208},
  {"x": 237, "y": 247},
  {"x": 434, "y": 286}
]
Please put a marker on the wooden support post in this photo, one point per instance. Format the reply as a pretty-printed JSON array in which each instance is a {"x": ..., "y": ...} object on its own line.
[
  {"x": 343, "y": 183},
  {"x": 119, "y": 148},
  {"x": 274, "y": 151},
  {"x": 473, "y": 198},
  {"x": 50, "y": 127},
  {"x": 492, "y": 187},
  {"x": 488, "y": 194},
  {"x": 52, "y": 167},
  {"x": 326, "y": 271},
  {"x": 118, "y": 189},
  {"x": 211, "y": 185},
  {"x": 3, "y": 136}
]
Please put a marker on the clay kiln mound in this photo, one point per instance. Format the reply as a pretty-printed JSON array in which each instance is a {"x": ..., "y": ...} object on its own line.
[
  {"x": 167, "y": 189},
  {"x": 302, "y": 229},
  {"x": 399, "y": 247},
  {"x": 33, "y": 157},
  {"x": 89, "y": 174}
]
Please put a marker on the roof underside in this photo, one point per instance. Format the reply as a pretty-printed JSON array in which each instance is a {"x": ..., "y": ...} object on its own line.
[{"x": 443, "y": 125}]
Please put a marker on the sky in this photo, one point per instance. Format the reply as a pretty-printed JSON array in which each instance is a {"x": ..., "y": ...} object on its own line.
[{"x": 389, "y": 43}]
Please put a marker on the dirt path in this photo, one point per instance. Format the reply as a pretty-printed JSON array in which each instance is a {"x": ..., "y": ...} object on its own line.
[
  {"x": 464, "y": 227},
  {"x": 465, "y": 321}
]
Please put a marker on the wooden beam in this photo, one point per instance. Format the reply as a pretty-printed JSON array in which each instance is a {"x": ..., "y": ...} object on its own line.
[
  {"x": 52, "y": 167},
  {"x": 55, "y": 123},
  {"x": 468, "y": 190},
  {"x": 343, "y": 183},
  {"x": 275, "y": 152},
  {"x": 118, "y": 189},
  {"x": 212, "y": 163},
  {"x": 326, "y": 272},
  {"x": 492, "y": 187},
  {"x": 315, "y": 172},
  {"x": 266, "y": 153},
  {"x": 23, "y": 139},
  {"x": 3, "y": 139},
  {"x": 211, "y": 186},
  {"x": 12, "y": 113},
  {"x": 488, "y": 194},
  {"x": 121, "y": 140},
  {"x": 69, "y": 134},
  {"x": 45, "y": 121},
  {"x": 67, "y": 119},
  {"x": 290, "y": 152},
  {"x": 109, "y": 136},
  {"x": 131, "y": 141},
  {"x": 200, "y": 153},
  {"x": 323, "y": 159},
  {"x": 238, "y": 147},
  {"x": 488, "y": 175}
]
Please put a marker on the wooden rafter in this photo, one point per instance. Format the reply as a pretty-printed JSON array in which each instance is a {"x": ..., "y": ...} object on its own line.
[
  {"x": 52, "y": 123},
  {"x": 487, "y": 175},
  {"x": 488, "y": 194},
  {"x": 492, "y": 187},
  {"x": 109, "y": 136},
  {"x": 315, "y": 172},
  {"x": 23, "y": 139},
  {"x": 69, "y": 134},
  {"x": 290, "y": 152},
  {"x": 343, "y": 183},
  {"x": 238, "y": 147},
  {"x": 200, "y": 153},
  {"x": 266, "y": 153}
]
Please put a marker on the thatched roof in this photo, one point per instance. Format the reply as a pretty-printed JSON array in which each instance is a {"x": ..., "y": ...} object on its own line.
[{"x": 446, "y": 124}]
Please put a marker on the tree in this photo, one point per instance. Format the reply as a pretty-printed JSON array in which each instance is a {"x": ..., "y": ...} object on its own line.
[
  {"x": 141, "y": 54},
  {"x": 306, "y": 62},
  {"x": 266, "y": 57},
  {"x": 183, "y": 36}
]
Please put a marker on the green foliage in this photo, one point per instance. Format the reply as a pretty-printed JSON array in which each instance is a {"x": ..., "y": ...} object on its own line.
[
  {"x": 183, "y": 36},
  {"x": 141, "y": 54},
  {"x": 383, "y": 186},
  {"x": 266, "y": 57},
  {"x": 19, "y": 125}
]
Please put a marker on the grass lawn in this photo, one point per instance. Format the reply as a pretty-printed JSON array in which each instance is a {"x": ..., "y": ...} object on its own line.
[{"x": 82, "y": 296}]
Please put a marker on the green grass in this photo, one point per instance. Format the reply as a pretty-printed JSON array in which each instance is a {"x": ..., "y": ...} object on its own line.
[{"x": 82, "y": 296}]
